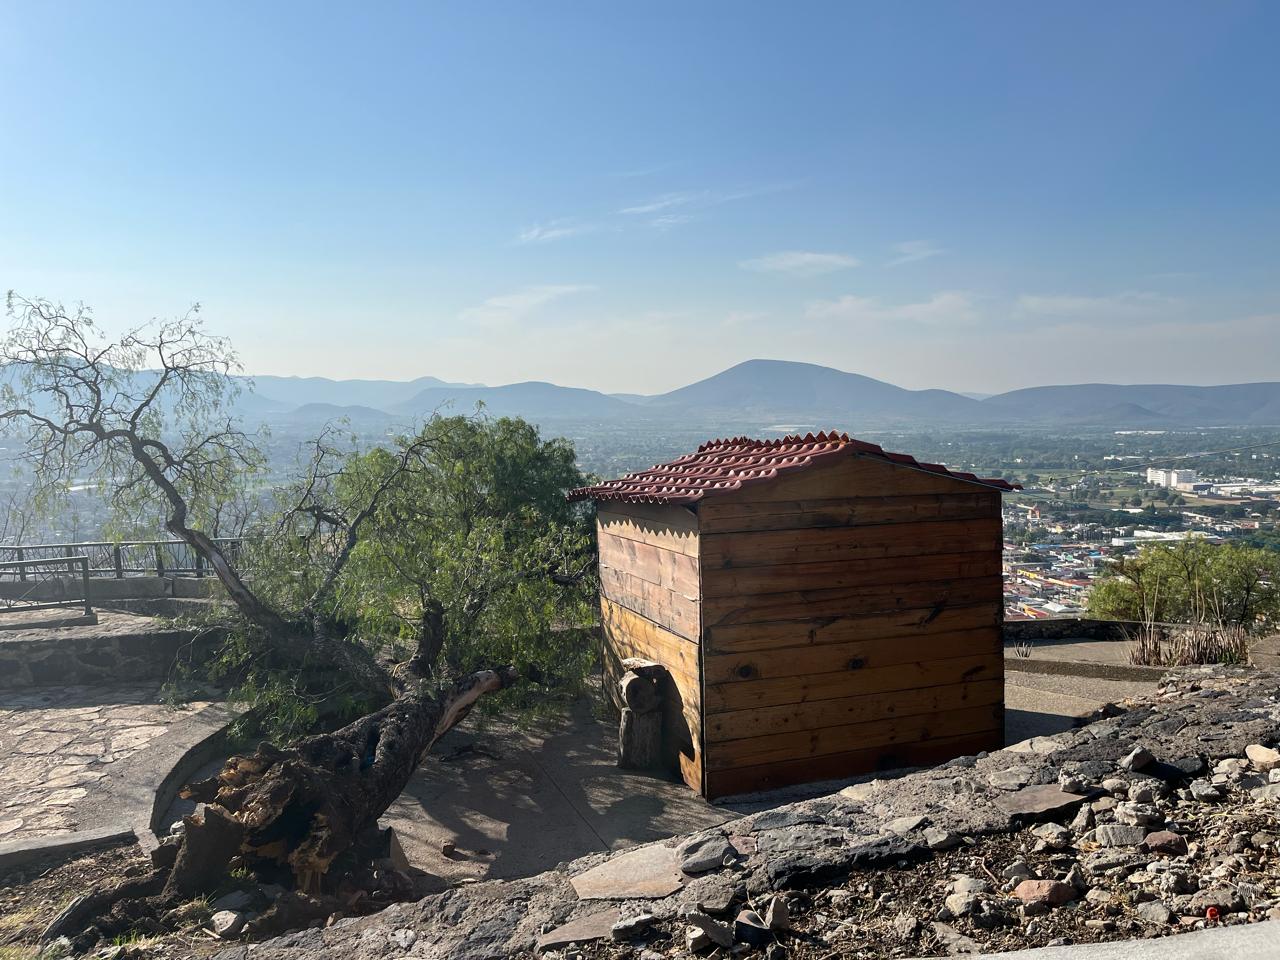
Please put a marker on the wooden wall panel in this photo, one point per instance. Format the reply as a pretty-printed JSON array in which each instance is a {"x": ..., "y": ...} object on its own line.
[
  {"x": 847, "y": 657},
  {"x": 725, "y": 697},
  {"x": 627, "y": 634},
  {"x": 763, "y": 721},
  {"x": 831, "y": 544},
  {"x": 677, "y": 612},
  {"x": 731, "y": 516},
  {"x": 776, "y": 635},
  {"x": 760, "y": 582},
  {"x": 674, "y": 571},
  {"x": 850, "y": 601},
  {"x": 804, "y": 744},
  {"x": 723, "y": 783},
  {"x": 672, "y": 528}
]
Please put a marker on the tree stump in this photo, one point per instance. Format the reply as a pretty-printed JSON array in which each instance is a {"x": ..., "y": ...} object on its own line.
[{"x": 640, "y": 730}]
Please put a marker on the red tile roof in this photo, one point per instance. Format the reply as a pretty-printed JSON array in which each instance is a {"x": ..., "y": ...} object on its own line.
[{"x": 722, "y": 466}]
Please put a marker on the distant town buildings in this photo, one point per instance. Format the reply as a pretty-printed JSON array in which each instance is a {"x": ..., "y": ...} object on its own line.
[{"x": 1171, "y": 478}]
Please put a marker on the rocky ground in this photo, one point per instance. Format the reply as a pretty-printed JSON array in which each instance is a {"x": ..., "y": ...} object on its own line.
[{"x": 1160, "y": 818}]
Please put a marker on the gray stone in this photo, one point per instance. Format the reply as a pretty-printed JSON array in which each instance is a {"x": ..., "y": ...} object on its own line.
[
  {"x": 936, "y": 839},
  {"x": 1205, "y": 792},
  {"x": 1116, "y": 786},
  {"x": 1139, "y": 758},
  {"x": 1119, "y": 835},
  {"x": 1154, "y": 912},
  {"x": 1138, "y": 814},
  {"x": 706, "y": 853},
  {"x": 227, "y": 924},
  {"x": 1222, "y": 899},
  {"x": 969, "y": 885},
  {"x": 955, "y": 942},
  {"x": 721, "y": 934},
  {"x": 1053, "y": 835},
  {"x": 1083, "y": 820},
  {"x": 633, "y": 926},
  {"x": 902, "y": 825},
  {"x": 1017, "y": 871},
  {"x": 961, "y": 904},
  {"x": 1010, "y": 778},
  {"x": 777, "y": 915}
]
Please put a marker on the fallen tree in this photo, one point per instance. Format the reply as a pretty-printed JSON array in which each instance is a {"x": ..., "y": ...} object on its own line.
[{"x": 147, "y": 413}]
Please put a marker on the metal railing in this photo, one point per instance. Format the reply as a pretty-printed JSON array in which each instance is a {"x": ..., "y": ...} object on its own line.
[
  {"x": 33, "y": 576},
  {"x": 115, "y": 560}
]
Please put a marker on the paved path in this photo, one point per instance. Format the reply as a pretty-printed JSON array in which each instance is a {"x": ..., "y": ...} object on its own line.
[
  {"x": 1040, "y": 705},
  {"x": 77, "y": 758},
  {"x": 516, "y": 803},
  {"x": 1255, "y": 941}
]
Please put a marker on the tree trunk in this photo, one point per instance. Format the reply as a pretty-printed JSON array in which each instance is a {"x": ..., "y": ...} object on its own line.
[{"x": 288, "y": 815}]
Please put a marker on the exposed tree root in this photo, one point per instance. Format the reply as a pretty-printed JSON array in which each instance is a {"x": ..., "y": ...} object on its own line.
[{"x": 303, "y": 817}]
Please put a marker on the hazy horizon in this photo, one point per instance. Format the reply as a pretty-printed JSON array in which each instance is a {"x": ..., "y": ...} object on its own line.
[{"x": 630, "y": 199}]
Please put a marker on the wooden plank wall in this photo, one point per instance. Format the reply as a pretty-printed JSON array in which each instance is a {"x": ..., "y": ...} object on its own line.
[
  {"x": 650, "y": 608},
  {"x": 851, "y": 621}
]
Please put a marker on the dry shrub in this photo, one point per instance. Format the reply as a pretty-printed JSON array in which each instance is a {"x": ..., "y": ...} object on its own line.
[{"x": 1191, "y": 644}]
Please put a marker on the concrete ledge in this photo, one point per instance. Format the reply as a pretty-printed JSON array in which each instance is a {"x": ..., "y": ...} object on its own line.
[
  {"x": 17, "y": 853},
  {"x": 1243, "y": 942},
  {"x": 1084, "y": 668}
]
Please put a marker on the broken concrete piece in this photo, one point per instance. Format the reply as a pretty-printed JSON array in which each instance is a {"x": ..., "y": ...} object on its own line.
[
  {"x": 591, "y": 926},
  {"x": 644, "y": 873},
  {"x": 1038, "y": 801}
]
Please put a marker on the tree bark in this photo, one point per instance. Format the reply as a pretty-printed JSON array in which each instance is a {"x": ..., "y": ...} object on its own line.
[{"x": 288, "y": 816}]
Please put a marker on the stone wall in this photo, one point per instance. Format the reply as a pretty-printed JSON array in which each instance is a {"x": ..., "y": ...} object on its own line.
[
  {"x": 1072, "y": 628},
  {"x": 105, "y": 589},
  {"x": 120, "y": 647}
]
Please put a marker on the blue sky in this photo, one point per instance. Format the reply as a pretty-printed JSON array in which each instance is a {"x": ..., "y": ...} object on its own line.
[{"x": 977, "y": 196}]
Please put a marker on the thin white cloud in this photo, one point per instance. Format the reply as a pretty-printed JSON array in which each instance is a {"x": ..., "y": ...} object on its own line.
[
  {"x": 911, "y": 251},
  {"x": 510, "y": 308},
  {"x": 800, "y": 263},
  {"x": 553, "y": 230},
  {"x": 669, "y": 220},
  {"x": 1128, "y": 305},
  {"x": 664, "y": 202},
  {"x": 948, "y": 308}
]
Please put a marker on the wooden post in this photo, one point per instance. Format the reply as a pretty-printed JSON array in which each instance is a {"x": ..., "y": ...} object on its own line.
[
  {"x": 159, "y": 559},
  {"x": 84, "y": 582},
  {"x": 117, "y": 555},
  {"x": 22, "y": 571},
  {"x": 199, "y": 564}
]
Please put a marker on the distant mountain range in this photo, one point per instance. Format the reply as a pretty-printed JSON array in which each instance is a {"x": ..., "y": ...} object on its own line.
[{"x": 771, "y": 392}]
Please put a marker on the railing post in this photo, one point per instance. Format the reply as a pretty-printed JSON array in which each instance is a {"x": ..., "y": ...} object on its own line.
[
  {"x": 159, "y": 560},
  {"x": 117, "y": 555},
  {"x": 84, "y": 581},
  {"x": 22, "y": 571},
  {"x": 199, "y": 564}
]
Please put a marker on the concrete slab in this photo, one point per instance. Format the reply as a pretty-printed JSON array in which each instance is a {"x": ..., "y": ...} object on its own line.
[
  {"x": 1255, "y": 941},
  {"x": 1040, "y": 705},
  {"x": 514, "y": 803}
]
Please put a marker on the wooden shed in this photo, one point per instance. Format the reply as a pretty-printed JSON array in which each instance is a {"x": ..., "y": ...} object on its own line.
[{"x": 822, "y": 607}]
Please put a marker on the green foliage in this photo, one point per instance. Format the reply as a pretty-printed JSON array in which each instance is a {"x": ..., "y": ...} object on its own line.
[
  {"x": 473, "y": 557},
  {"x": 1192, "y": 582}
]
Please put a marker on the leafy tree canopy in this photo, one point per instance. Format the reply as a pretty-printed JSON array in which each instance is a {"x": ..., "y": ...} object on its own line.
[{"x": 1192, "y": 582}]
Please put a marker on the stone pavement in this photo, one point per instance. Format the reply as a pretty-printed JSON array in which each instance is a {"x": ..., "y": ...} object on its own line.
[{"x": 80, "y": 758}]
